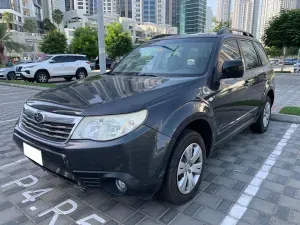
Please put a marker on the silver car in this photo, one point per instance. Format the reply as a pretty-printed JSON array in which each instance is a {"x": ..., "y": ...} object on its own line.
[{"x": 9, "y": 73}]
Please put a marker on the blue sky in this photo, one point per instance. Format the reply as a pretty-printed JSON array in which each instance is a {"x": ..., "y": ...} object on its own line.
[{"x": 213, "y": 4}]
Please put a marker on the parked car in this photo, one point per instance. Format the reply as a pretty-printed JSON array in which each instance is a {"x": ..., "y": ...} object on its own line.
[
  {"x": 9, "y": 73},
  {"x": 149, "y": 124},
  {"x": 63, "y": 65},
  {"x": 297, "y": 67},
  {"x": 274, "y": 61},
  {"x": 109, "y": 63},
  {"x": 288, "y": 62}
]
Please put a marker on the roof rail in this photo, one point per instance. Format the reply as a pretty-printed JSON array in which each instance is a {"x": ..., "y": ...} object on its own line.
[
  {"x": 227, "y": 30},
  {"x": 161, "y": 36}
]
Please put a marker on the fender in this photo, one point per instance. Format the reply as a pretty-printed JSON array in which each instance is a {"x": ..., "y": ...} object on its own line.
[{"x": 180, "y": 119}]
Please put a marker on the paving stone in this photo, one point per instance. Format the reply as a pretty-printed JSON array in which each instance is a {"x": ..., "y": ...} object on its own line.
[
  {"x": 277, "y": 221},
  {"x": 290, "y": 202},
  {"x": 153, "y": 209},
  {"x": 137, "y": 217},
  {"x": 207, "y": 200},
  {"x": 250, "y": 216},
  {"x": 251, "y": 171},
  {"x": 226, "y": 173},
  {"x": 61, "y": 220},
  {"x": 10, "y": 214},
  {"x": 282, "y": 180},
  {"x": 210, "y": 177},
  {"x": 239, "y": 161},
  {"x": 168, "y": 216},
  {"x": 240, "y": 177},
  {"x": 273, "y": 197},
  {"x": 224, "y": 165},
  {"x": 138, "y": 204},
  {"x": 209, "y": 216},
  {"x": 288, "y": 166},
  {"x": 227, "y": 193},
  {"x": 212, "y": 188},
  {"x": 282, "y": 213},
  {"x": 224, "y": 206},
  {"x": 107, "y": 205},
  {"x": 227, "y": 158},
  {"x": 239, "y": 186},
  {"x": 289, "y": 191},
  {"x": 280, "y": 171},
  {"x": 263, "y": 219},
  {"x": 119, "y": 212},
  {"x": 191, "y": 209},
  {"x": 214, "y": 170},
  {"x": 262, "y": 206},
  {"x": 186, "y": 220},
  {"x": 273, "y": 186},
  {"x": 262, "y": 193},
  {"x": 294, "y": 183},
  {"x": 294, "y": 217},
  {"x": 224, "y": 181}
]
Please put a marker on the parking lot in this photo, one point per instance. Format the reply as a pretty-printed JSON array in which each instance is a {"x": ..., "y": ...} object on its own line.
[{"x": 254, "y": 179}]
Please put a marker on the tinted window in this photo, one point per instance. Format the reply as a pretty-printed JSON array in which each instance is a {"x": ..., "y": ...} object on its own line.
[
  {"x": 251, "y": 59},
  {"x": 59, "y": 59},
  {"x": 229, "y": 51},
  {"x": 75, "y": 58},
  {"x": 262, "y": 53}
]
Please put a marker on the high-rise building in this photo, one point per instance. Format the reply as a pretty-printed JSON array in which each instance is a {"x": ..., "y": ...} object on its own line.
[
  {"x": 209, "y": 19},
  {"x": 190, "y": 16},
  {"x": 125, "y": 8},
  {"x": 149, "y": 10},
  {"x": 109, "y": 6},
  {"x": 69, "y": 5},
  {"x": 243, "y": 15},
  {"x": 223, "y": 10},
  {"x": 14, "y": 7},
  {"x": 272, "y": 8},
  {"x": 52, "y": 5}
]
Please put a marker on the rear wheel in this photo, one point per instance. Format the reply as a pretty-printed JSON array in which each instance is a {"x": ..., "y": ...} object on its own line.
[
  {"x": 81, "y": 74},
  {"x": 68, "y": 78},
  {"x": 263, "y": 121},
  {"x": 11, "y": 76},
  {"x": 185, "y": 169},
  {"x": 42, "y": 77}
]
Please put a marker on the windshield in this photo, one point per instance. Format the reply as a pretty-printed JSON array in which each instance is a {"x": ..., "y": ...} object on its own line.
[
  {"x": 175, "y": 57},
  {"x": 44, "y": 59}
]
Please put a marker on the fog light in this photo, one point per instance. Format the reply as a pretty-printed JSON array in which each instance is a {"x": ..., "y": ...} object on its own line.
[{"x": 121, "y": 185}]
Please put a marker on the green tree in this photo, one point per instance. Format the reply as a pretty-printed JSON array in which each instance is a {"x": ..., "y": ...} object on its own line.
[
  {"x": 117, "y": 42},
  {"x": 7, "y": 43},
  {"x": 30, "y": 25},
  {"x": 274, "y": 52},
  {"x": 7, "y": 18},
  {"x": 283, "y": 31},
  {"x": 48, "y": 25},
  {"x": 57, "y": 16},
  {"x": 220, "y": 25},
  {"x": 85, "y": 42},
  {"x": 54, "y": 42}
]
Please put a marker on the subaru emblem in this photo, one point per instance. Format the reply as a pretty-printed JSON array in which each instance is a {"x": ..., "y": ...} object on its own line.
[{"x": 38, "y": 117}]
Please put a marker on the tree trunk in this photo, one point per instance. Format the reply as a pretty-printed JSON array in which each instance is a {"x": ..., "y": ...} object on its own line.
[
  {"x": 2, "y": 57},
  {"x": 283, "y": 60}
]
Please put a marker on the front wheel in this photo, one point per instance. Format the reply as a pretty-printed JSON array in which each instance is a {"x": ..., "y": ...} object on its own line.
[
  {"x": 185, "y": 169},
  {"x": 263, "y": 121},
  {"x": 81, "y": 74},
  {"x": 42, "y": 77},
  {"x": 11, "y": 76}
]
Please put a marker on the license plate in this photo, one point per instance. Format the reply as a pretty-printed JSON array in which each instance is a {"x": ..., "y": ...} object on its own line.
[{"x": 33, "y": 153}]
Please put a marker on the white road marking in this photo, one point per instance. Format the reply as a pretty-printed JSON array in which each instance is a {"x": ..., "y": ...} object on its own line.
[
  {"x": 16, "y": 93},
  {"x": 13, "y": 163},
  {"x": 8, "y": 103},
  {"x": 239, "y": 208},
  {"x": 6, "y": 121},
  {"x": 33, "y": 208}
]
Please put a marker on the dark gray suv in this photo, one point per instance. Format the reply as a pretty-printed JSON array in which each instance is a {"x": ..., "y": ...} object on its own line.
[{"x": 149, "y": 124}]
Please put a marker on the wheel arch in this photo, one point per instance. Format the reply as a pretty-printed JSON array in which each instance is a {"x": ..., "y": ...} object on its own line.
[
  {"x": 271, "y": 94},
  {"x": 42, "y": 70},
  {"x": 82, "y": 68}
]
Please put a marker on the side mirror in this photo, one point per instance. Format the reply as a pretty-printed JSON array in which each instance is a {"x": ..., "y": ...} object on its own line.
[
  {"x": 51, "y": 61},
  {"x": 232, "y": 69}
]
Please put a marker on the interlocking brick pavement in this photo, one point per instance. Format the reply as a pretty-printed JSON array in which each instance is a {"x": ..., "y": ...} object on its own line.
[{"x": 227, "y": 173}]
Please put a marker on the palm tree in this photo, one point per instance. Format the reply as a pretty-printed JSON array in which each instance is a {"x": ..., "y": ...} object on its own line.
[
  {"x": 57, "y": 16},
  {"x": 8, "y": 18},
  {"x": 7, "y": 43}
]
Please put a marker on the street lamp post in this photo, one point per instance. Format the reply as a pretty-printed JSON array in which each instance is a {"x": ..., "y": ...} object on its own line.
[{"x": 102, "y": 57}]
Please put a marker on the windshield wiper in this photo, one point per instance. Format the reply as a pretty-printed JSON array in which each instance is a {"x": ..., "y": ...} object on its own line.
[{"x": 146, "y": 74}]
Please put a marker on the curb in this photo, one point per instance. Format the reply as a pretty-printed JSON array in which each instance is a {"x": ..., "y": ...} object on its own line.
[
  {"x": 24, "y": 86},
  {"x": 285, "y": 118}
]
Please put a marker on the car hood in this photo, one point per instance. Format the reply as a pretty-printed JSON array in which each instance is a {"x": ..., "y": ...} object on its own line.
[{"x": 107, "y": 94}]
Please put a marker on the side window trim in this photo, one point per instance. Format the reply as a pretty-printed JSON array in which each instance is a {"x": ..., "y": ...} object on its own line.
[
  {"x": 257, "y": 54},
  {"x": 256, "y": 46}
]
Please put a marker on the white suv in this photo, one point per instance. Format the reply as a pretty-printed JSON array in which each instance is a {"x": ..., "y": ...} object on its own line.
[{"x": 63, "y": 65}]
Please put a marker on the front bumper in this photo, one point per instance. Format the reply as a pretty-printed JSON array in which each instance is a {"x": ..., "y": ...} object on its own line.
[
  {"x": 3, "y": 75},
  {"x": 25, "y": 74},
  {"x": 138, "y": 159}
]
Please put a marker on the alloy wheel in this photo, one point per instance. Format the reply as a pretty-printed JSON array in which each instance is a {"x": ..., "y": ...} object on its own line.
[
  {"x": 43, "y": 78},
  {"x": 189, "y": 168},
  {"x": 267, "y": 113}
]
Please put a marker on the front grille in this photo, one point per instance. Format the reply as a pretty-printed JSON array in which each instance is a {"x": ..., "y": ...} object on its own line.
[
  {"x": 19, "y": 68},
  {"x": 54, "y": 127}
]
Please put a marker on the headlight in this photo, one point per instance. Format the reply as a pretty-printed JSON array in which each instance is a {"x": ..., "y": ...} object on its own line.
[
  {"x": 105, "y": 128},
  {"x": 28, "y": 67}
]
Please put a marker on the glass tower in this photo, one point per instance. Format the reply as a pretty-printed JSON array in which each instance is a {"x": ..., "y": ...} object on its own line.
[
  {"x": 149, "y": 11},
  {"x": 189, "y": 16}
]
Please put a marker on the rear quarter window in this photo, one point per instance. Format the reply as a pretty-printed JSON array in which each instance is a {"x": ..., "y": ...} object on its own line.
[{"x": 262, "y": 54}]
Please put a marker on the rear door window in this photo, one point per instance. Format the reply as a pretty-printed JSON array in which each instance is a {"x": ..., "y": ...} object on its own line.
[
  {"x": 59, "y": 59},
  {"x": 262, "y": 54},
  {"x": 251, "y": 58}
]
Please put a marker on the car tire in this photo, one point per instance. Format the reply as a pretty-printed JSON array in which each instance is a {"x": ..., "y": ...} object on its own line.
[
  {"x": 11, "y": 76},
  {"x": 68, "y": 78},
  {"x": 181, "y": 184},
  {"x": 81, "y": 74},
  {"x": 42, "y": 77},
  {"x": 263, "y": 121}
]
